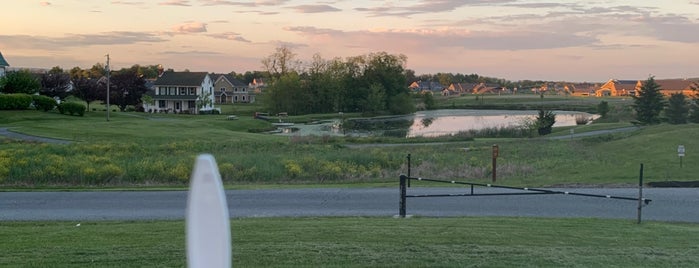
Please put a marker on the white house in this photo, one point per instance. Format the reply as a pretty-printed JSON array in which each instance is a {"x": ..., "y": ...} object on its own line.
[
  {"x": 182, "y": 92},
  {"x": 3, "y": 65}
]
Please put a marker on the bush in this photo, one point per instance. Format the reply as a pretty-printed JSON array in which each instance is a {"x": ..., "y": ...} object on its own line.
[
  {"x": 72, "y": 108},
  {"x": 18, "y": 101},
  {"x": 545, "y": 121},
  {"x": 44, "y": 103}
]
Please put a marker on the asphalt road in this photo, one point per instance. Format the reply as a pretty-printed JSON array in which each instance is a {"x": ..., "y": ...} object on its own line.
[{"x": 669, "y": 204}]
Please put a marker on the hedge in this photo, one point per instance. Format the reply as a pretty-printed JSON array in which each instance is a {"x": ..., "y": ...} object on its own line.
[
  {"x": 43, "y": 103},
  {"x": 17, "y": 101},
  {"x": 72, "y": 108}
]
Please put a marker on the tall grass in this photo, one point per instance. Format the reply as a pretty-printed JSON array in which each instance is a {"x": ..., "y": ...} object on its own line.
[{"x": 146, "y": 149}]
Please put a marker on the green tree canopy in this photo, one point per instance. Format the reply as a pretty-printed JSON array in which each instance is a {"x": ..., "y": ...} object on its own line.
[
  {"x": 19, "y": 82},
  {"x": 677, "y": 109},
  {"x": 649, "y": 103}
]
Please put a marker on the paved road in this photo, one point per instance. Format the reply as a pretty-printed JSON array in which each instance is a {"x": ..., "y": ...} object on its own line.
[
  {"x": 669, "y": 204},
  {"x": 19, "y": 136}
]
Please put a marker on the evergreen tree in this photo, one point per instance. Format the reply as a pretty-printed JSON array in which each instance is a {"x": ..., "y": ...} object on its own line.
[
  {"x": 545, "y": 121},
  {"x": 694, "y": 105},
  {"x": 677, "y": 110},
  {"x": 649, "y": 103}
]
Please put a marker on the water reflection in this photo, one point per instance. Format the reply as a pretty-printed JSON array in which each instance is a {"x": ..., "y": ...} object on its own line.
[
  {"x": 432, "y": 123},
  {"x": 450, "y": 122}
]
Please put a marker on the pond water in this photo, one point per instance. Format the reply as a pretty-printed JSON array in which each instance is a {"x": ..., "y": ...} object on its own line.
[{"x": 432, "y": 123}]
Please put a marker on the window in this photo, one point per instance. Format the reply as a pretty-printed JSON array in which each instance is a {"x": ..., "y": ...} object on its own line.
[
  {"x": 183, "y": 91},
  {"x": 243, "y": 89},
  {"x": 161, "y": 104},
  {"x": 192, "y": 91},
  {"x": 172, "y": 91},
  {"x": 191, "y": 104},
  {"x": 243, "y": 98},
  {"x": 223, "y": 89},
  {"x": 163, "y": 91},
  {"x": 235, "y": 98}
]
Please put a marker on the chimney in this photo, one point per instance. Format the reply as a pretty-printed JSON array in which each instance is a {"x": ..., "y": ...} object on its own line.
[{"x": 160, "y": 70}]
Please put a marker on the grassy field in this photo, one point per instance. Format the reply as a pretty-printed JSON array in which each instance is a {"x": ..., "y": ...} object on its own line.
[
  {"x": 362, "y": 242},
  {"x": 157, "y": 150}
]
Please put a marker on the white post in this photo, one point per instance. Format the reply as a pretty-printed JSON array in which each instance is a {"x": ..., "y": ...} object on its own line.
[{"x": 208, "y": 223}]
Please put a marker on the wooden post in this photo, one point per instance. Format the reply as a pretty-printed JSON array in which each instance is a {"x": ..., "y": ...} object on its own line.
[{"x": 495, "y": 162}]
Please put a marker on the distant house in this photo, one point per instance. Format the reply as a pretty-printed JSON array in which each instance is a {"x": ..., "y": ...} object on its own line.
[
  {"x": 3, "y": 65},
  {"x": 484, "y": 88},
  {"x": 257, "y": 86},
  {"x": 426, "y": 86},
  {"x": 179, "y": 92},
  {"x": 231, "y": 90},
  {"x": 671, "y": 86},
  {"x": 460, "y": 88},
  {"x": 615, "y": 87}
]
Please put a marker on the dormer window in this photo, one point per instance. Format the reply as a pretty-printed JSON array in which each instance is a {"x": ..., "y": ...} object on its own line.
[{"x": 223, "y": 89}]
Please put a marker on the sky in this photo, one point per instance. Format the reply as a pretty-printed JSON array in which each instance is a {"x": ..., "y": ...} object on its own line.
[{"x": 575, "y": 41}]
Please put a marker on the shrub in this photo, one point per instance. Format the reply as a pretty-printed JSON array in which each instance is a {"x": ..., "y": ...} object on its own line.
[
  {"x": 72, "y": 108},
  {"x": 18, "y": 101},
  {"x": 44, "y": 103},
  {"x": 545, "y": 121}
]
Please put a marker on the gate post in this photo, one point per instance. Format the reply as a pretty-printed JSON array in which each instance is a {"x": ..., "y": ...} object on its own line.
[{"x": 401, "y": 210}]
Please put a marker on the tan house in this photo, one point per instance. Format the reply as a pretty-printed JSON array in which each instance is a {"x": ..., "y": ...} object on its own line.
[
  {"x": 684, "y": 86},
  {"x": 231, "y": 90},
  {"x": 615, "y": 87}
]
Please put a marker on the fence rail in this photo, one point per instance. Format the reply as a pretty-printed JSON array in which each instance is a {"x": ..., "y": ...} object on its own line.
[{"x": 405, "y": 182}]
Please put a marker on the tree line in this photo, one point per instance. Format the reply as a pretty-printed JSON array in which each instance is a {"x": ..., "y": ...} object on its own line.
[{"x": 126, "y": 86}]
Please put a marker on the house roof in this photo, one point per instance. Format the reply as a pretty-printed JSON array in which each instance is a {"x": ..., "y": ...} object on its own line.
[
  {"x": 3, "y": 62},
  {"x": 180, "y": 79},
  {"x": 676, "y": 84},
  {"x": 231, "y": 79}
]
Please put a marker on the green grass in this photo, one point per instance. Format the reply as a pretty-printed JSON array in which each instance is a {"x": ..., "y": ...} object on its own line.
[
  {"x": 362, "y": 242},
  {"x": 157, "y": 151}
]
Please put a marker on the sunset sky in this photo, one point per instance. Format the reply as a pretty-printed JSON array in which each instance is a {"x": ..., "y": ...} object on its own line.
[{"x": 579, "y": 41}]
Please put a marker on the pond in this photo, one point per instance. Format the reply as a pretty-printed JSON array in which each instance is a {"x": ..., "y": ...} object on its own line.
[{"x": 432, "y": 123}]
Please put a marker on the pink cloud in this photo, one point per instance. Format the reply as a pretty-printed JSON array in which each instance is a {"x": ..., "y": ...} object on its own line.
[
  {"x": 175, "y": 3},
  {"x": 45, "y": 3},
  {"x": 190, "y": 27}
]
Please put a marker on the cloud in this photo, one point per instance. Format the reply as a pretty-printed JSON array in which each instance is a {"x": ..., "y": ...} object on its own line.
[
  {"x": 672, "y": 28},
  {"x": 450, "y": 38},
  {"x": 229, "y": 36},
  {"x": 78, "y": 40},
  {"x": 131, "y": 3},
  {"x": 190, "y": 27},
  {"x": 426, "y": 7},
  {"x": 314, "y": 8},
  {"x": 191, "y": 52},
  {"x": 184, "y": 3},
  {"x": 257, "y": 3},
  {"x": 45, "y": 3}
]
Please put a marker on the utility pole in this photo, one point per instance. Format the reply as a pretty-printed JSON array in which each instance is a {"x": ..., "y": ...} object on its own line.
[{"x": 108, "y": 87}]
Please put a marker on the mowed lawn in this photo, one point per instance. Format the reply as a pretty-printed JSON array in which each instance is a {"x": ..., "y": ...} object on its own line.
[{"x": 362, "y": 242}]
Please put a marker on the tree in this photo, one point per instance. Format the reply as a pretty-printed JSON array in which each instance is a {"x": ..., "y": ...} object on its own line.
[
  {"x": 545, "y": 121},
  {"x": 375, "y": 100},
  {"x": 649, "y": 103},
  {"x": 429, "y": 101},
  {"x": 19, "y": 82},
  {"x": 677, "y": 110},
  {"x": 126, "y": 88},
  {"x": 603, "y": 108},
  {"x": 281, "y": 62},
  {"x": 88, "y": 89},
  {"x": 694, "y": 105},
  {"x": 55, "y": 83}
]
